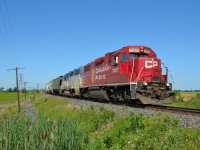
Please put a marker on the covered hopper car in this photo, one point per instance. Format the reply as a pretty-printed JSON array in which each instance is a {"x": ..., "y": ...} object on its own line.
[{"x": 132, "y": 73}]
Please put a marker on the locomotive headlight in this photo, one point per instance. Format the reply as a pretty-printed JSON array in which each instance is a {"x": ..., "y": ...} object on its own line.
[
  {"x": 169, "y": 85},
  {"x": 145, "y": 83}
]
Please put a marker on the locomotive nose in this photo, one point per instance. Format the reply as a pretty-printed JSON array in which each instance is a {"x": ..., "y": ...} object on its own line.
[{"x": 145, "y": 69}]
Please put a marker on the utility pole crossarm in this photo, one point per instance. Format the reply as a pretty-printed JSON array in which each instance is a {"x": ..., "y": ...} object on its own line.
[{"x": 15, "y": 68}]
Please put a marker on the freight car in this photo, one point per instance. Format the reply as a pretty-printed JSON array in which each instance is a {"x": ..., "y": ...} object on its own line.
[
  {"x": 72, "y": 81},
  {"x": 48, "y": 88},
  {"x": 132, "y": 73},
  {"x": 54, "y": 86}
]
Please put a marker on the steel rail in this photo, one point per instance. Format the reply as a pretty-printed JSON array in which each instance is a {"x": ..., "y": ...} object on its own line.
[{"x": 172, "y": 109}]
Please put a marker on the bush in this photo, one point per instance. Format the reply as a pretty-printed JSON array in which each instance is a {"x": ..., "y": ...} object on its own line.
[
  {"x": 136, "y": 122},
  {"x": 178, "y": 97},
  {"x": 103, "y": 119},
  {"x": 195, "y": 100}
]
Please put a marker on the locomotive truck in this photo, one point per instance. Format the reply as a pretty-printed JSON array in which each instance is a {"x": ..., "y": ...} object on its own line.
[{"x": 133, "y": 73}]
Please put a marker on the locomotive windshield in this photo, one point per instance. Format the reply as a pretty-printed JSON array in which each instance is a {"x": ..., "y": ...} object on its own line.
[{"x": 132, "y": 56}]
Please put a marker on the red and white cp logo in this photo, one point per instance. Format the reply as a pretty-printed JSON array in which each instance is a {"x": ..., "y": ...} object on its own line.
[{"x": 150, "y": 64}]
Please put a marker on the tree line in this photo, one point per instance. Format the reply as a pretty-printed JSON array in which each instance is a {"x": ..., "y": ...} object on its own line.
[
  {"x": 8, "y": 90},
  {"x": 15, "y": 90},
  {"x": 187, "y": 90}
]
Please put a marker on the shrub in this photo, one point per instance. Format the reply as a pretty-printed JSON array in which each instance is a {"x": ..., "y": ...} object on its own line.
[
  {"x": 136, "y": 122},
  {"x": 107, "y": 140},
  {"x": 103, "y": 119},
  {"x": 195, "y": 100},
  {"x": 178, "y": 97}
]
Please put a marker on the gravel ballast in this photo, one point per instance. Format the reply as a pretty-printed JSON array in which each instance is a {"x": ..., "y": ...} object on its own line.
[{"x": 185, "y": 120}]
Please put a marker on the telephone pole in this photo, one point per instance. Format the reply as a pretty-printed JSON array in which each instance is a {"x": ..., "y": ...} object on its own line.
[
  {"x": 25, "y": 89},
  {"x": 38, "y": 87},
  {"x": 21, "y": 81},
  {"x": 17, "y": 84}
]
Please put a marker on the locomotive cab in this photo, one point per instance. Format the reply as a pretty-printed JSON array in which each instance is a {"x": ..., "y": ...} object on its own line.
[{"x": 145, "y": 75}]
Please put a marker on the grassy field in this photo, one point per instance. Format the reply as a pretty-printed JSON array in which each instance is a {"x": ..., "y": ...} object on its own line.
[
  {"x": 8, "y": 101},
  {"x": 187, "y": 96},
  {"x": 61, "y": 125},
  {"x": 10, "y": 97},
  {"x": 6, "y": 97},
  {"x": 187, "y": 99}
]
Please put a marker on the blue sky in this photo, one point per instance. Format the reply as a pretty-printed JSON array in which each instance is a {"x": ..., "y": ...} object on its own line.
[{"x": 52, "y": 37}]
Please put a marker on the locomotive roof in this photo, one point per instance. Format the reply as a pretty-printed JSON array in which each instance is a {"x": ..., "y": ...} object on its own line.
[{"x": 135, "y": 46}]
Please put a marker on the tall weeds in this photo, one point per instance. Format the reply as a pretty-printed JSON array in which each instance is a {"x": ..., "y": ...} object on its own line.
[{"x": 22, "y": 133}]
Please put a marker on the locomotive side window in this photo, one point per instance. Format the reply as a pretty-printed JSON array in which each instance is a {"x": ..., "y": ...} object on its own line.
[
  {"x": 116, "y": 60},
  {"x": 124, "y": 57}
]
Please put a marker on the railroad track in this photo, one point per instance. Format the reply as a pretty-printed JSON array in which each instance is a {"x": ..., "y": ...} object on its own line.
[
  {"x": 180, "y": 110},
  {"x": 160, "y": 108}
]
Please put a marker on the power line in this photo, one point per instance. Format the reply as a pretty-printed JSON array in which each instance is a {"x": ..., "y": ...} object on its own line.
[
  {"x": 17, "y": 85},
  {"x": 3, "y": 57},
  {"x": 7, "y": 34},
  {"x": 10, "y": 24},
  {"x": 6, "y": 49}
]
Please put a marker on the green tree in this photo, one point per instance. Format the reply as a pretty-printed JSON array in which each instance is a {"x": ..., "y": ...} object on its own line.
[
  {"x": 9, "y": 90},
  {"x": 15, "y": 89},
  {"x": 1, "y": 89}
]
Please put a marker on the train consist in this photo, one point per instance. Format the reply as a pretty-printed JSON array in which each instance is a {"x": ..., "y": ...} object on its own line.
[{"x": 132, "y": 73}]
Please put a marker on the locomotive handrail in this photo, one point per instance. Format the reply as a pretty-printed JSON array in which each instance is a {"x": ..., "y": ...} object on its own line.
[
  {"x": 139, "y": 73},
  {"x": 133, "y": 65}
]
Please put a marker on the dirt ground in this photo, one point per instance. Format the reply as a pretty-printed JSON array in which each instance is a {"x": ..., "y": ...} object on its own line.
[{"x": 27, "y": 107}]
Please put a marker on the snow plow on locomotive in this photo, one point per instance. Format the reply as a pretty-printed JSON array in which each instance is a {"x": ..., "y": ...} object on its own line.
[{"x": 132, "y": 73}]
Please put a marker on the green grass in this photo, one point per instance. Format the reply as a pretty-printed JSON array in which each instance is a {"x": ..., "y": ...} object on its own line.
[
  {"x": 57, "y": 107},
  {"x": 193, "y": 100},
  {"x": 7, "y": 97},
  {"x": 61, "y": 125},
  {"x": 143, "y": 132},
  {"x": 8, "y": 102},
  {"x": 22, "y": 133},
  {"x": 10, "y": 97}
]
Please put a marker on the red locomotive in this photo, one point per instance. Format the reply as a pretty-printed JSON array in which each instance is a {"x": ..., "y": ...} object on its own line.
[{"x": 132, "y": 73}]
